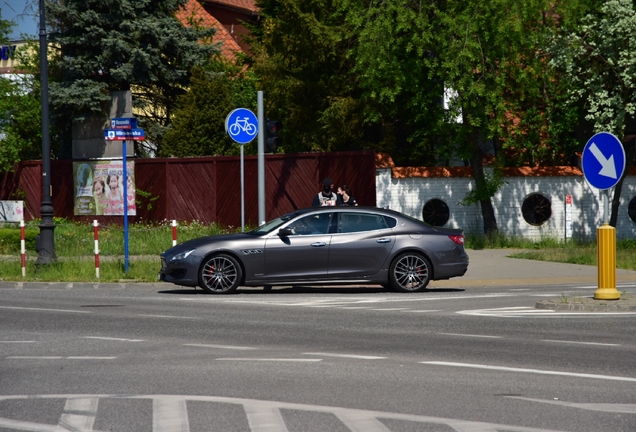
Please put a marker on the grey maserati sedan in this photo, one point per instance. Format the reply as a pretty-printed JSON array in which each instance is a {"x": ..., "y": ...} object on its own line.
[{"x": 321, "y": 246}]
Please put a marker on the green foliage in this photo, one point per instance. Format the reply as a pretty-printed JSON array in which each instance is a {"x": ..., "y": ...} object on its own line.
[
  {"x": 123, "y": 45},
  {"x": 10, "y": 239},
  {"x": 492, "y": 183},
  {"x": 146, "y": 200},
  {"x": 599, "y": 58},
  {"x": 198, "y": 127}
]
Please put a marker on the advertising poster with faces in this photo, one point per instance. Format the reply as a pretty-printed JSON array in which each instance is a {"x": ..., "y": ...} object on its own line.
[{"x": 99, "y": 188}]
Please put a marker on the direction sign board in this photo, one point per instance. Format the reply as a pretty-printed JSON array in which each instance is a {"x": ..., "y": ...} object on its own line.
[
  {"x": 123, "y": 123},
  {"x": 603, "y": 160},
  {"x": 241, "y": 125},
  {"x": 124, "y": 134}
]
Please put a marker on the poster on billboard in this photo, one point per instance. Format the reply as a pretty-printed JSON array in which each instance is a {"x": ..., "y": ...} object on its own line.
[
  {"x": 11, "y": 211},
  {"x": 99, "y": 188}
]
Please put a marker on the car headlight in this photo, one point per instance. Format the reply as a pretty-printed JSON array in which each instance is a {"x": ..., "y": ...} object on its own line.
[{"x": 182, "y": 255}]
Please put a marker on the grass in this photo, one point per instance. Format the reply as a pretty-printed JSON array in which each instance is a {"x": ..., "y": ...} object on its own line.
[{"x": 74, "y": 247}]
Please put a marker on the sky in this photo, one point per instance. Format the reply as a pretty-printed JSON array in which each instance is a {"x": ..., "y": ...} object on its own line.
[{"x": 18, "y": 12}]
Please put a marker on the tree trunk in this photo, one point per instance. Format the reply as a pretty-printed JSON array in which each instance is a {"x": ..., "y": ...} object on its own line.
[
  {"x": 630, "y": 154},
  {"x": 487, "y": 210}
]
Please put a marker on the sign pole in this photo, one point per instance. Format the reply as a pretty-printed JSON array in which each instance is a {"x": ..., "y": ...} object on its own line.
[
  {"x": 125, "y": 199},
  {"x": 261, "y": 159},
  {"x": 242, "y": 190}
]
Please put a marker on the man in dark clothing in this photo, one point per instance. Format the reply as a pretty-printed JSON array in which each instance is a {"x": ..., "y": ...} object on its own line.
[{"x": 327, "y": 197}]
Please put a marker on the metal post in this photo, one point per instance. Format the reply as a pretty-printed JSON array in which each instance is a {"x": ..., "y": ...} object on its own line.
[
  {"x": 242, "y": 190},
  {"x": 125, "y": 198},
  {"x": 46, "y": 252},
  {"x": 261, "y": 159}
]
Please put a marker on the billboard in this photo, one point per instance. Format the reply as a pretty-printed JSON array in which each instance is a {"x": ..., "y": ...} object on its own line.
[{"x": 99, "y": 188}]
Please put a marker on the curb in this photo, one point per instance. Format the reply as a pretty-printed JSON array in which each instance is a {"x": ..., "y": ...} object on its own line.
[{"x": 625, "y": 303}]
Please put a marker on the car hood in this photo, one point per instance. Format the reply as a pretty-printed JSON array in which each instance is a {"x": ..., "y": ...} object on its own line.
[{"x": 200, "y": 241}]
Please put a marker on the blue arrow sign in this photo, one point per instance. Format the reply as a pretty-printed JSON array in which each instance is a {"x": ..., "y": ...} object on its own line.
[
  {"x": 241, "y": 125},
  {"x": 603, "y": 160},
  {"x": 123, "y": 123},
  {"x": 124, "y": 134}
]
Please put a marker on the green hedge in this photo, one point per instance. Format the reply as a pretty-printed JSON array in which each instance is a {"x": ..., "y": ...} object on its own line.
[{"x": 10, "y": 240}]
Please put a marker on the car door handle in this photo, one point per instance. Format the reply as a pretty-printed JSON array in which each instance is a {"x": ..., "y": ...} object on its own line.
[
  {"x": 319, "y": 244},
  {"x": 383, "y": 240}
]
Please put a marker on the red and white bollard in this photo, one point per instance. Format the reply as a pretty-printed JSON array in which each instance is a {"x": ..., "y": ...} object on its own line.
[
  {"x": 23, "y": 248},
  {"x": 96, "y": 236},
  {"x": 174, "y": 232}
]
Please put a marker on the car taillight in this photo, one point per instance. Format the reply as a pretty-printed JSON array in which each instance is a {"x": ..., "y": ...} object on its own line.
[{"x": 459, "y": 239}]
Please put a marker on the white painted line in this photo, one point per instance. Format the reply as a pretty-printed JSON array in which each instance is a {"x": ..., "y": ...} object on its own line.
[
  {"x": 170, "y": 415},
  {"x": 221, "y": 346},
  {"x": 79, "y": 414},
  {"x": 263, "y": 417},
  {"x": 44, "y": 310},
  {"x": 390, "y": 309},
  {"x": 113, "y": 339},
  {"x": 59, "y": 357},
  {"x": 355, "y": 356},
  {"x": 269, "y": 359},
  {"x": 534, "y": 371},
  {"x": 17, "y": 341},
  {"x": 354, "y": 307},
  {"x": 577, "y": 342},
  {"x": 421, "y": 311},
  {"x": 358, "y": 421},
  {"x": 470, "y": 335},
  {"x": 166, "y": 316}
]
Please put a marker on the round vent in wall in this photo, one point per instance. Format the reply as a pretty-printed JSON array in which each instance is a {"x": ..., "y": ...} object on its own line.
[
  {"x": 536, "y": 209},
  {"x": 631, "y": 209},
  {"x": 436, "y": 212}
]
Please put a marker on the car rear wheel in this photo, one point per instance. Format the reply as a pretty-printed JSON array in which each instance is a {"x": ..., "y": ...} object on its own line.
[
  {"x": 410, "y": 272},
  {"x": 220, "y": 274}
]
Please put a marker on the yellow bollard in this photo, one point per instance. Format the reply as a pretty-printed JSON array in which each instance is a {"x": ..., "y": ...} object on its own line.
[{"x": 606, "y": 244}]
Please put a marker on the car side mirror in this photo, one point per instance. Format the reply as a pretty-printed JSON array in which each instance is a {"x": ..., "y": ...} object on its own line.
[{"x": 284, "y": 232}]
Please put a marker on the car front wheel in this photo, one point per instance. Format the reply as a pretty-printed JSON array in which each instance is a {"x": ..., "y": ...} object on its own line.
[
  {"x": 220, "y": 274},
  {"x": 410, "y": 272}
]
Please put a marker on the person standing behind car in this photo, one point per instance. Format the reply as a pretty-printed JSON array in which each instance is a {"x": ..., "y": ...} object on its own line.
[
  {"x": 326, "y": 197},
  {"x": 347, "y": 199}
]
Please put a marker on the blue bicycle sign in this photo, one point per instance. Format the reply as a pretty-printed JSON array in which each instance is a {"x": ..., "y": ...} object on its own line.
[{"x": 241, "y": 125}]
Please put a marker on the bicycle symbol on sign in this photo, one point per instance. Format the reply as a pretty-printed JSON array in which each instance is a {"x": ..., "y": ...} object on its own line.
[{"x": 242, "y": 125}]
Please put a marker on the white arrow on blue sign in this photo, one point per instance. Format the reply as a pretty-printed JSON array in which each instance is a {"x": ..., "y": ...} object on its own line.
[
  {"x": 241, "y": 125},
  {"x": 603, "y": 160}
]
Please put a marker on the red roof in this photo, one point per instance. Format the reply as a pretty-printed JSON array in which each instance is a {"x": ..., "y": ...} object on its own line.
[
  {"x": 248, "y": 5},
  {"x": 194, "y": 14}
]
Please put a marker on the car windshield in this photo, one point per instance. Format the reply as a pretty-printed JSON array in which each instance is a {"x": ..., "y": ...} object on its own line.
[{"x": 273, "y": 224}]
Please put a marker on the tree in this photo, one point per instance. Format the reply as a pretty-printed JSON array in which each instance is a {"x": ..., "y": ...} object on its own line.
[
  {"x": 20, "y": 113},
  {"x": 599, "y": 57},
  {"x": 115, "y": 45},
  {"x": 198, "y": 126}
]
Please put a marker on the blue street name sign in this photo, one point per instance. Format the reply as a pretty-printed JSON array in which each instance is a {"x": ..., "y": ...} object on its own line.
[
  {"x": 124, "y": 134},
  {"x": 603, "y": 160},
  {"x": 123, "y": 123},
  {"x": 241, "y": 125}
]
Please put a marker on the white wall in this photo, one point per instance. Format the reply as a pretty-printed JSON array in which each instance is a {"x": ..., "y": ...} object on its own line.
[{"x": 408, "y": 195}]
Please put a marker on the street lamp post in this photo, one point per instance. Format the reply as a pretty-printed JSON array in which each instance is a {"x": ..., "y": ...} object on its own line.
[{"x": 46, "y": 251}]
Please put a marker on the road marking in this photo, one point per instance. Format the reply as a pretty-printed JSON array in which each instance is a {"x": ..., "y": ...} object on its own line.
[
  {"x": 534, "y": 371},
  {"x": 470, "y": 335},
  {"x": 113, "y": 339},
  {"x": 79, "y": 414},
  {"x": 604, "y": 407},
  {"x": 45, "y": 310},
  {"x": 578, "y": 342},
  {"x": 170, "y": 415},
  {"x": 424, "y": 310},
  {"x": 166, "y": 316},
  {"x": 390, "y": 309},
  {"x": 59, "y": 357},
  {"x": 355, "y": 307},
  {"x": 269, "y": 359},
  {"x": 264, "y": 416},
  {"x": 221, "y": 346},
  {"x": 526, "y": 311},
  {"x": 17, "y": 341},
  {"x": 355, "y": 356}
]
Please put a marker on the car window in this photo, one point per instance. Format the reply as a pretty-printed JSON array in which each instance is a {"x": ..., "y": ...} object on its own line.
[
  {"x": 391, "y": 222},
  {"x": 312, "y": 224},
  {"x": 357, "y": 222}
]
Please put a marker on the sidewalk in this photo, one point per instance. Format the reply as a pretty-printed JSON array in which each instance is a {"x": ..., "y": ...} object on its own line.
[{"x": 491, "y": 267}]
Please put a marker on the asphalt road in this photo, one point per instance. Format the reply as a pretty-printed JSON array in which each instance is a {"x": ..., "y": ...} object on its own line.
[{"x": 314, "y": 359}]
